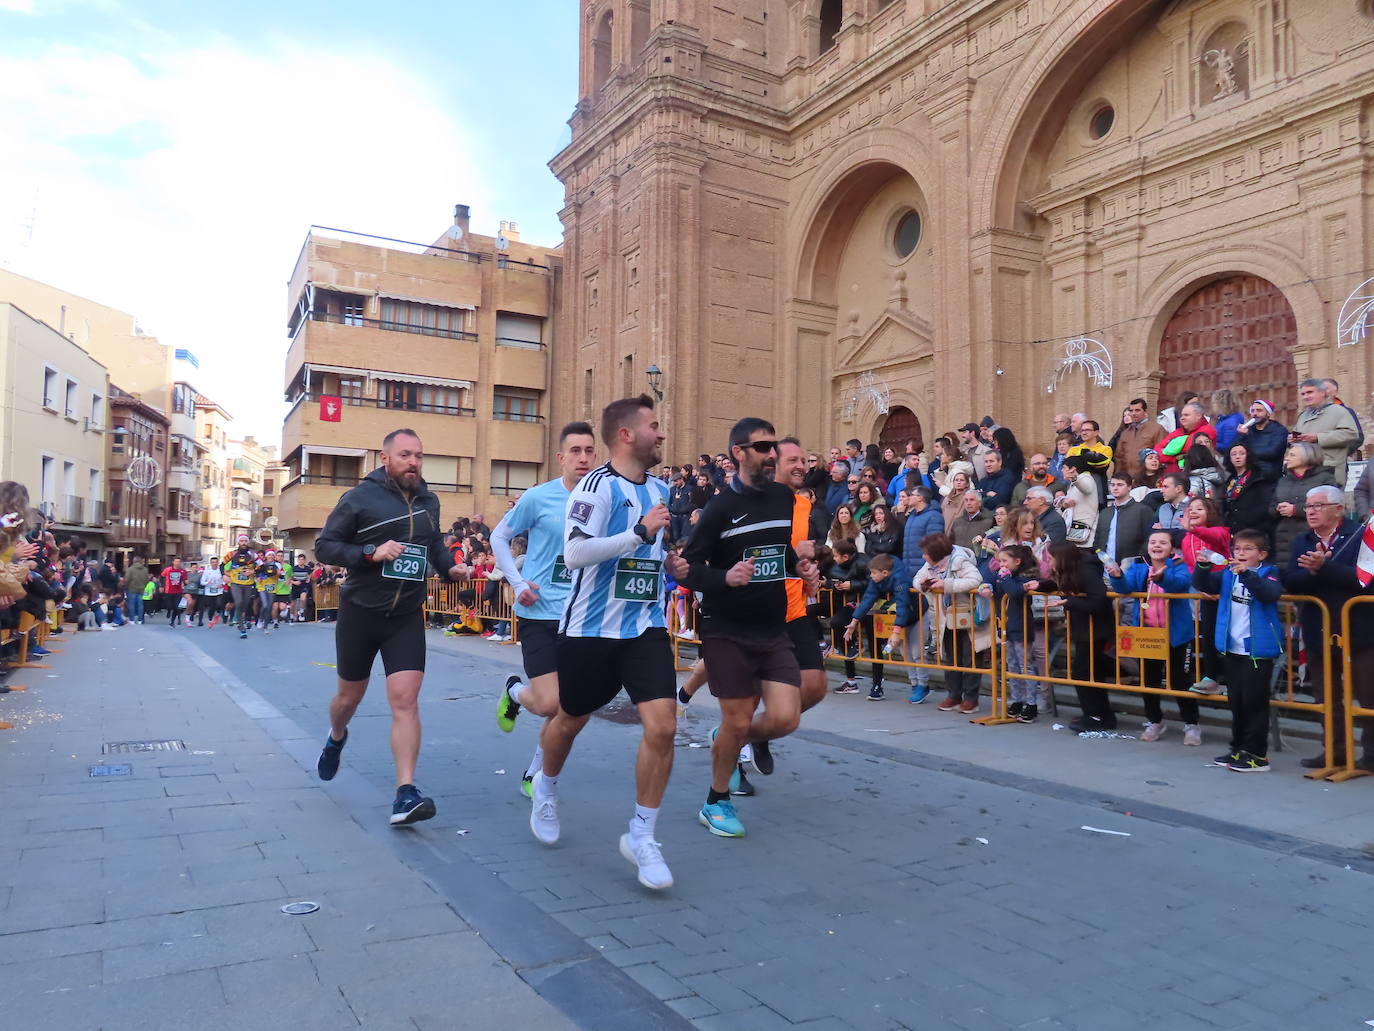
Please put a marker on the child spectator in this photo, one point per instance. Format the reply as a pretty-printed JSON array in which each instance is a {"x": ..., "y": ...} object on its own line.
[
  {"x": 887, "y": 580},
  {"x": 1088, "y": 613},
  {"x": 949, "y": 580},
  {"x": 1204, "y": 533},
  {"x": 1162, "y": 572},
  {"x": 1017, "y": 571},
  {"x": 1250, "y": 635},
  {"x": 849, "y": 579}
]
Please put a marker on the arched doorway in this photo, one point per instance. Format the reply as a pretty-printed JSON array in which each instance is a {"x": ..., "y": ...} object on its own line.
[
  {"x": 900, "y": 426},
  {"x": 1238, "y": 333}
]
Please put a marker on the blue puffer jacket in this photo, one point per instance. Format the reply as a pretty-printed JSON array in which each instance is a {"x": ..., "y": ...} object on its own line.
[
  {"x": 1176, "y": 581},
  {"x": 920, "y": 525},
  {"x": 1266, "y": 630},
  {"x": 896, "y": 585}
]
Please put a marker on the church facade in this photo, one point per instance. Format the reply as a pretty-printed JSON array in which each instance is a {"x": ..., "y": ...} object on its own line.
[{"x": 882, "y": 218}]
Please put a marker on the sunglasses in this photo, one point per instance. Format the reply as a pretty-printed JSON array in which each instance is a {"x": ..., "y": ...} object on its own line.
[{"x": 760, "y": 447}]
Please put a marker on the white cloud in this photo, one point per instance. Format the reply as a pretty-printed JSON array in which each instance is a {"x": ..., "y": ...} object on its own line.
[
  {"x": 180, "y": 186},
  {"x": 17, "y": 6}
]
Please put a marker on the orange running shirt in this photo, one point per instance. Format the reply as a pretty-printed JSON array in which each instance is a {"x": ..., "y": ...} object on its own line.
[{"x": 801, "y": 531}]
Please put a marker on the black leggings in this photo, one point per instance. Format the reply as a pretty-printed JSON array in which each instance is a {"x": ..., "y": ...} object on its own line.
[
  {"x": 1180, "y": 679},
  {"x": 362, "y": 633}
]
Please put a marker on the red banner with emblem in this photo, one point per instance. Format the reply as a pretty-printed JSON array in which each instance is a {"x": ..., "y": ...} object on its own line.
[{"x": 331, "y": 408}]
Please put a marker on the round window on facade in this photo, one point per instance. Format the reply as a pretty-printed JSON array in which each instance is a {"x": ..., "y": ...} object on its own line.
[
  {"x": 1102, "y": 121},
  {"x": 907, "y": 234}
]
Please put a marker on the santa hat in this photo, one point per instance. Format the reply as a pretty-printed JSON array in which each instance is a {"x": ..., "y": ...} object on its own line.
[{"x": 1268, "y": 408}]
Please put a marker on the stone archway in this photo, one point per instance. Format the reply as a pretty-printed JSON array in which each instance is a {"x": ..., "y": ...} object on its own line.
[
  {"x": 900, "y": 426},
  {"x": 1237, "y": 332}
]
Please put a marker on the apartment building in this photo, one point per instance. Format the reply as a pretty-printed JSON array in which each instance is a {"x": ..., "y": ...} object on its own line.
[
  {"x": 137, "y": 493},
  {"x": 52, "y": 430},
  {"x": 449, "y": 339},
  {"x": 247, "y": 468},
  {"x": 212, "y": 430}
]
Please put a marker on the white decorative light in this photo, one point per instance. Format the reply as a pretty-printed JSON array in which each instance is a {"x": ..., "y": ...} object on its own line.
[
  {"x": 1353, "y": 324},
  {"x": 144, "y": 473},
  {"x": 1083, "y": 353},
  {"x": 868, "y": 388}
]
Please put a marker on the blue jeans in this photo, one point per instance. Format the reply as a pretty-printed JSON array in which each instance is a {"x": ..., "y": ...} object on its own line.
[{"x": 136, "y": 608}]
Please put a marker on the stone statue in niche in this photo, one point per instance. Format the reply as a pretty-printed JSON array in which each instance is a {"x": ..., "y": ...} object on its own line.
[{"x": 1223, "y": 66}]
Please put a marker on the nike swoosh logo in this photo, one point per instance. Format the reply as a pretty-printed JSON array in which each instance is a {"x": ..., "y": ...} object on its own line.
[{"x": 738, "y": 518}]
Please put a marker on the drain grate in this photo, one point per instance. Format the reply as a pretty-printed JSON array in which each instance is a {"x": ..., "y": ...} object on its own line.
[
  {"x": 112, "y": 770},
  {"x": 125, "y": 747}
]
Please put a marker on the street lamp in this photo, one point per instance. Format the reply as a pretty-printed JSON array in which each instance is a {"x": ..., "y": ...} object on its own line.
[{"x": 655, "y": 375}]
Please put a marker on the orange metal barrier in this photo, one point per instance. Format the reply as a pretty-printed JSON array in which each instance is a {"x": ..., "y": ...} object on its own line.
[
  {"x": 443, "y": 599},
  {"x": 682, "y": 625},
  {"x": 326, "y": 598},
  {"x": 1352, "y": 712}
]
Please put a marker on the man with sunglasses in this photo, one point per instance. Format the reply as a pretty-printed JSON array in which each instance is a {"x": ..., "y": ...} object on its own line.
[{"x": 739, "y": 560}]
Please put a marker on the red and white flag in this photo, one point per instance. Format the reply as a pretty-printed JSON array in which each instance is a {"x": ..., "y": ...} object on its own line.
[
  {"x": 1364, "y": 561},
  {"x": 331, "y": 408}
]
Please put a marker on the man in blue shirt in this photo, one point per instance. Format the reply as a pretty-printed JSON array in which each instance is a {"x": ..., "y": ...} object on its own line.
[
  {"x": 541, "y": 585},
  {"x": 908, "y": 477}
]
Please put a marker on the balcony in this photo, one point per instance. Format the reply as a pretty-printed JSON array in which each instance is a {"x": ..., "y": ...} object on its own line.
[
  {"x": 183, "y": 476},
  {"x": 364, "y": 421},
  {"x": 513, "y": 441},
  {"x": 72, "y": 510},
  {"x": 180, "y": 528},
  {"x": 380, "y": 347},
  {"x": 519, "y": 364}
]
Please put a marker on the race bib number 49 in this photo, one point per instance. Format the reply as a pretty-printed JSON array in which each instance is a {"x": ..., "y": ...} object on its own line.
[
  {"x": 561, "y": 573},
  {"x": 409, "y": 565},
  {"x": 770, "y": 563},
  {"x": 637, "y": 579}
]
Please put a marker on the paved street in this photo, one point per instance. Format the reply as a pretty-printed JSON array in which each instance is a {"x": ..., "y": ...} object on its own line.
[{"x": 891, "y": 876}]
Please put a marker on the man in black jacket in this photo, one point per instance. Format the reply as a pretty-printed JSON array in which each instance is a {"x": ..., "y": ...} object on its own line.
[
  {"x": 385, "y": 531},
  {"x": 1124, "y": 526},
  {"x": 1041, "y": 502},
  {"x": 739, "y": 559},
  {"x": 1324, "y": 565}
]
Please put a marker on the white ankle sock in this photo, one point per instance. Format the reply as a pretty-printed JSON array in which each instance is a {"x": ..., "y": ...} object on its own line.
[
  {"x": 643, "y": 821},
  {"x": 514, "y": 691},
  {"x": 545, "y": 786},
  {"x": 537, "y": 763}
]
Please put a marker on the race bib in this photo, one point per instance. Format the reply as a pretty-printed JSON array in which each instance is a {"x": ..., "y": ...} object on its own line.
[
  {"x": 409, "y": 565},
  {"x": 561, "y": 573},
  {"x": 637, "y": 579},
  {"x": 770, "y": 562}
]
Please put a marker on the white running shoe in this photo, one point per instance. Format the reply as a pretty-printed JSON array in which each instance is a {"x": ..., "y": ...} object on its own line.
[
  {"x": 746, "y": 755},
  {"x": 647, "y": 856},
  {"x": 544, "y": 816}
]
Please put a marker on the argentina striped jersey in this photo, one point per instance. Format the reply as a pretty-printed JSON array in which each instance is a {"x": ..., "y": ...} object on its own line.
[{"x": 621, "y": 596}]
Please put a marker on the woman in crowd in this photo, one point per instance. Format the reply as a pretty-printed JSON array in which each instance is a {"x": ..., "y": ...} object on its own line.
[
  {"x": 949, "y": 580},
  {"x": 1077, "y": 579},
  {"x": 959, "y": 483},
  {"x": 1081, "y": 503},
  {"x": 865, "y": 498},
  {"x": 1062, "y": 443},
  {"x": 1205, "y": 533},
  {"x": 888, "y": 465},
  {"x": 845, "y": 528},
  {"x": 1302, "y": 470},
  {"x": 884, "y": 533},
  {"x": 1249, "y": 497},
  {"x": 946, "y": 455},
  {"x": 1226, "y": 416},
  {"x": 1004, "y": 440},
  {"x": 1151, "y": 469},
  {"x": 1162, "y": 572}
]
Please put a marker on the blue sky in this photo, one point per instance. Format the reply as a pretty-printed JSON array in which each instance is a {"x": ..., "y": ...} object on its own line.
[{"x": 168, "y": 157}]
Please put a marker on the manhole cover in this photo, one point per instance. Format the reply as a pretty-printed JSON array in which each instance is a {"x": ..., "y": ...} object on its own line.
[
  {"x": 113, "y": 770},
  {"x": 125, "y": 747},
  {"x": 299, "y": 908}
]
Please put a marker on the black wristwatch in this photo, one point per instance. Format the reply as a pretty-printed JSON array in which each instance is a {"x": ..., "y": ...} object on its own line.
[
  {"x": 642, "y": 532},
  {"x": 369, "y": 550}
]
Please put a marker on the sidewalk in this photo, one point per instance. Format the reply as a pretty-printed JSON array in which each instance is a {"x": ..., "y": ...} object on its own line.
[{"x": 153, "y": 898}]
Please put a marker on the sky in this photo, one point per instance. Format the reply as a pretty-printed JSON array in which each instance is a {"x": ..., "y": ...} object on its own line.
[{"x": 167, "y": 158}]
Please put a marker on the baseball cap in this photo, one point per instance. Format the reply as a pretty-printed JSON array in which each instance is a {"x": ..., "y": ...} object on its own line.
[{"x": 970, "y": 427}]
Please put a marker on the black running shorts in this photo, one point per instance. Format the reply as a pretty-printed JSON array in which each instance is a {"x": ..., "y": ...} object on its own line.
[
  {"x": 592, "y": 670},
  {"x": 737, "y": 668},
  {"x": 805, "y": 633},
  {"x": 539, "y": 646},
  {"x": 361, "y": 633}
]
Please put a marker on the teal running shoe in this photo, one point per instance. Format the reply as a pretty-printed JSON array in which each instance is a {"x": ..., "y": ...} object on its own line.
[{"x": 720, "y": 819}]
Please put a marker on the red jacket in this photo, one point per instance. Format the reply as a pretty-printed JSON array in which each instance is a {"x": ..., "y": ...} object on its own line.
[
  {"x": 1210, "y": 538},
  {"x": 1170, "y": 463}
]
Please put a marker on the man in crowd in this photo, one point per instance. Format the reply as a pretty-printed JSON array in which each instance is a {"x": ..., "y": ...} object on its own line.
[
  {"x": 1139, "y": 432},
  {"x": 1329, "y": 425},
  {"x": 679, "y": 505},
  {"x": 839, "y": 492},
  {"x": 1267, "y": 439},
  {"x": 1169, "y": 417},
  {"x": 1061, "y": 424},
  {"x": 908, "y": 476},
  {"x": 997, "y": 484},
  {"x": 1037, "y": 475},
  {"x": 1174, "y": 490},
  {"x": 973, "y": 447},
  {"x": 1324, "y": 565},
  {"x": 1192, "y": 423},
  {"x": 1041, "y": 502},
  {"x": 1096, "y": 451},
  {"x": 1125, "y": 525},
  {"x": 1333, "y": 390}
]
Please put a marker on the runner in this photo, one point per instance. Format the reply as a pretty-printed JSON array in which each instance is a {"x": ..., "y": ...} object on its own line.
[
  {"x": 173, "y": 588},
  {"x": 802, "y": 628},
  {"x": 540, "y": 585},
  {"x": 281, "y": 597},
  {"x": 268, "y": 575},
  {"x": 300, "y": 587},
  {"x": 613, "y": 633},
  {"x": 240, "y": 571},
  {"x": 212, "y": 582},
  {"x": 739, "y": 558},
  {"x": 384, "y": 531}
]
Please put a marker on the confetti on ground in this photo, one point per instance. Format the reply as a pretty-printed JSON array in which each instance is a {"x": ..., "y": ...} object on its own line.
[
  {"x": 327, "y": 665},
  {"x": 1100, "y": 830},
  {"x": 981, "y": 841}
]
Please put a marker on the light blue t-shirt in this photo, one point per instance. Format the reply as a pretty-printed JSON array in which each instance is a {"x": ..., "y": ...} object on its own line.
[{"x": 540, "y": 513}]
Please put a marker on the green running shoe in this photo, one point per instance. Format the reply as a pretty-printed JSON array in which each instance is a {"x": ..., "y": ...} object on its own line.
[
  {"x": 527, "y": 786},
  {"x": 720, "y": 819},
  {"x": 507, "y": 708}
]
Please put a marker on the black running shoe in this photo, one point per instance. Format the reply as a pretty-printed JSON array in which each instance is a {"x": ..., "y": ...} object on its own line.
[
  {"x": 330, "y": 755},
  {"x": 411, "y": 806},
  {"x": 1014, "y": 709},
  {"x": 763, "y": 758},
  {"x": 739, "y": 783}
]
